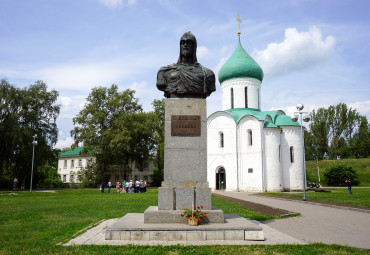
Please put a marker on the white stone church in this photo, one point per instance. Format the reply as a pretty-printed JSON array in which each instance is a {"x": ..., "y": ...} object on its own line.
[{"x": 250, "y": 149}]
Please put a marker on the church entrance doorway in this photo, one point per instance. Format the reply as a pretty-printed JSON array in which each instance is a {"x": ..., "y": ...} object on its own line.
[{"x": 221, "y": 179}]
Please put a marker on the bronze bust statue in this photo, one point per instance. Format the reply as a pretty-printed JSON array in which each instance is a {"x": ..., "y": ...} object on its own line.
[{"x": 186, "y": 78}]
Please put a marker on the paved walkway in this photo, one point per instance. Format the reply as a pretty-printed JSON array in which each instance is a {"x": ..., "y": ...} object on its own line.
[{"x": 317, "y": 223}]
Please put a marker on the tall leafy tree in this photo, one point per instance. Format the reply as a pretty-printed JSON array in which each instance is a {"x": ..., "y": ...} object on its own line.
[
  {"x": 332, "y": 130},
  {"x": 24, "y": 113},
  {"x": 159, "y": 110},
  {"x": 114, "y": 128}
]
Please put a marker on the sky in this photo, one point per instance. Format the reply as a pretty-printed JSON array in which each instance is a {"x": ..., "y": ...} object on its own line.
[{"x": 312, "y": 52}]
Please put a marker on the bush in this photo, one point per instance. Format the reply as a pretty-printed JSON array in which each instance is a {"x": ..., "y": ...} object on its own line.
[{"x": 336, "y": 175}]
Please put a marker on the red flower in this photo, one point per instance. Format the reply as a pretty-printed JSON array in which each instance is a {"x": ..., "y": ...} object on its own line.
[
  {"x": 182, "y": 215},
  {"x": 201, "y": 206},
  {"x": 194, "y": 213},
  {"x": 198, "y": 207}
]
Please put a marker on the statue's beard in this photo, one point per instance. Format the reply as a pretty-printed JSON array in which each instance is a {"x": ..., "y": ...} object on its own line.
[{"x": 187, "y": 54}]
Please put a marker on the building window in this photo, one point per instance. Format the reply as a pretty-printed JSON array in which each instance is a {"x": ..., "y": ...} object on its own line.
[
  {"x": 232, "y": 98},
  {"x": 221, "y": 140},
  {"x": 72, "y": 163},
  {"x": 250, "y": 138},
  {"x": 64, "y": 178},
  {"x": 145, "y": 177},
  {"x": 146, "y": 166},
  {"x": 292, "y": 154},
  {"x": 65, "y": 163},
  {"x": 246, "y": 96},
  {"x": 250, "y": 170},
  {"x": 72, "y": 178},
  {"x": 80, "y": 162}
]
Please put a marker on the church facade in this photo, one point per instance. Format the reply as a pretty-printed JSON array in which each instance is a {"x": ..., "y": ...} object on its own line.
[{"x": 250, "y": 149}]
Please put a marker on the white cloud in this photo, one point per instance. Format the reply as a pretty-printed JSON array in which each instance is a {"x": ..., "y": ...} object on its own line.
[
  {"x": 203, "y": 53},
  {"x": 80, "y": 77},
  {"x": 61, "y": 144},
  {"x": 140, "y": 88},
  {"x": 298, "y": 51},
  {"x": 113, "y": 4},
  {"x": 362, "y": 107}
]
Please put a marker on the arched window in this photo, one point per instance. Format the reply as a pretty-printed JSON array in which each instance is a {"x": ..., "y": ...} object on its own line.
[
  {"x": 232, "y": 98},
  {"x": 250, "y": 138},
  {"x": 292, "y": 154},
  {"x": 221, "y": 140},
  {"x": 246, "y": 96}
]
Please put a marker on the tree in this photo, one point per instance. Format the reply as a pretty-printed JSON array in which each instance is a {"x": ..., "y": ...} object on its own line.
[
  {"x": 331, "y": 131},
  {"x": 359, "y": 144},
  {"x": 113, "y": 128},
  {"x": 159, "y": 110},
  {"x": 336, "y": 175},
  {"x": 24, "y": 113}
]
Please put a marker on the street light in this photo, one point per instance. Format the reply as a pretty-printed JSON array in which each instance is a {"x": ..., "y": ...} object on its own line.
[
  {"x": 34, "y": 142},
  {"x": 306, "y": 118}
]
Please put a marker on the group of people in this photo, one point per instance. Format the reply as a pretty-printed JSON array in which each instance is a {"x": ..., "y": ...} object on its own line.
[{"x": 136, "y": 186}]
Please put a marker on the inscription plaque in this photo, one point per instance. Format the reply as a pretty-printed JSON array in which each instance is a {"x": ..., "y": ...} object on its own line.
[{"x": 185, "y": 125}]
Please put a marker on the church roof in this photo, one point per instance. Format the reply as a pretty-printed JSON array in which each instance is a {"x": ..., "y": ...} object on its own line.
[
  {"x": 278, "y": 117},
  {"x": 240, "y": 64}
]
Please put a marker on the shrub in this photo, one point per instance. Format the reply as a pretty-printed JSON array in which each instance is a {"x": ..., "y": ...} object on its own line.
[{"x": 336, "y": 175}]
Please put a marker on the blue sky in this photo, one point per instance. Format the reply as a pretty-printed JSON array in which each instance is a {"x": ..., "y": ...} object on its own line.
[{"x": 312, "y": 52}]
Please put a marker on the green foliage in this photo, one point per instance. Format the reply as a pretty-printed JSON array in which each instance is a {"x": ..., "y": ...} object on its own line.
[
  {"x": 336, "y": 175},
  {"x": 89, "y": 177},
  {"x": 24, "y": 113},
  {"x": 113, "y": 126},
  {"x": 159, "y": 110},
  {"x": 48, "y": 178},
  {"x": 337, "y": 131},
  {"x": 362, "y": 166},
  {"x": 157, "y": 177}
]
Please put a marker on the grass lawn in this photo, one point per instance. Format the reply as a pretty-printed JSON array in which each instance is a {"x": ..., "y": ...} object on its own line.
[
  {"x": 362, "y": 167},
  {"x": 359, "y": 197},
  {"x": 34, "y": 223}
]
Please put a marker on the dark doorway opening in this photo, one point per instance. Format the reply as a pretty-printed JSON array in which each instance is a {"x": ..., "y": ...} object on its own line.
[{"x": 221, "y": 179}]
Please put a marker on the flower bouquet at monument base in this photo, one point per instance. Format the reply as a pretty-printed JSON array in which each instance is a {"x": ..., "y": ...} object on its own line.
[{"x": 194, "y": 216}]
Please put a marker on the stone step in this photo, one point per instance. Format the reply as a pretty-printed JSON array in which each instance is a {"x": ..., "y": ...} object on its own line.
[{"x": 131, "y": 227}]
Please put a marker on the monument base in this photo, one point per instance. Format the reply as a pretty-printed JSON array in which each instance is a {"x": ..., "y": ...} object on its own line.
[
  {"x": 131, "y": 227},
  {"x": 153, "y": 215}
]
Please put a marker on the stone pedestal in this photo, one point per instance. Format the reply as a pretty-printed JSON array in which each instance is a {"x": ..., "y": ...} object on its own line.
[{"x": 185, "y": 156}]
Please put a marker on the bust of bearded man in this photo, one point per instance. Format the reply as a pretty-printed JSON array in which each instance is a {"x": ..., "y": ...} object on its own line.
[{"x": 186, "y": 78}]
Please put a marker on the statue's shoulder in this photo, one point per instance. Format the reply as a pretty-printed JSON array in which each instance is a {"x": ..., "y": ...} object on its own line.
[
  {"x": 207, "y": 71},
  {"x": 167, "y": 68}
]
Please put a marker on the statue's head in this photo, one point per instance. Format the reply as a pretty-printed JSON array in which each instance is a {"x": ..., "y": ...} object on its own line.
[{"x": 188, "y": 48}]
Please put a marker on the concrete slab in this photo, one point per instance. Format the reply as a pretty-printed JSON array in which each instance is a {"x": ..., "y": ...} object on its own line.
[{"x": 96, "y": 236}]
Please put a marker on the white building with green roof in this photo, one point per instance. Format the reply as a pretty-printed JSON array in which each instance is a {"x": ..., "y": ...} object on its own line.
[
  {"x": 250, "y": 149},
  {"x": 71, "y": 162}
]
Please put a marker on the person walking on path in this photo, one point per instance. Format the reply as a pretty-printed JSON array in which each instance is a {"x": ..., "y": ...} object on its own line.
[
  {"x": 109, "y": 186},
  {"x": 102, "y": 186},
  {"x": 349, "y": 184}
]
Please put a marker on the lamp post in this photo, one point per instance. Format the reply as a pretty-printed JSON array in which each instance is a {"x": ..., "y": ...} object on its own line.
[
  {"x": 306, "y": 118},
  {"x": 34, "y": 142}
]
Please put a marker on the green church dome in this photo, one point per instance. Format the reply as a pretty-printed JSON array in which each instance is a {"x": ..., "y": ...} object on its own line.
[{"x": 240, "y": 64}]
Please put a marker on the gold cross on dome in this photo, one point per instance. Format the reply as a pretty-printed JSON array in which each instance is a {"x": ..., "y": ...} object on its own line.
[{"x": 239, "y": 21}]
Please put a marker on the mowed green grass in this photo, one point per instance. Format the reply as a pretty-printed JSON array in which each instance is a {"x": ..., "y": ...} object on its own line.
[
  {"x": 362, "y": 167},
  {"x": 34, "y": 223},
  {"x": 359, "y": 197}
]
